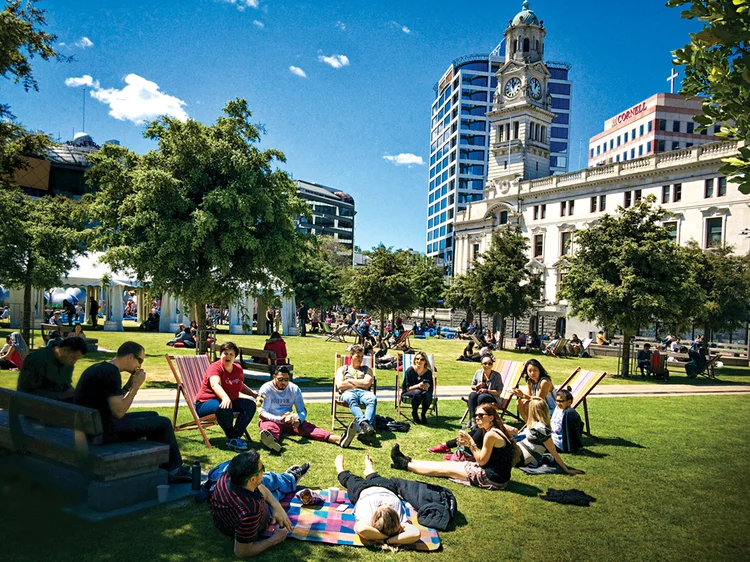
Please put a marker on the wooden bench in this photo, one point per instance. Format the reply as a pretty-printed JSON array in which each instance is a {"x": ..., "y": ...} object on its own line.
[
  {"x": 245, "y": 360},
  {"x": 709, "y": 370},
  {"x": 61, "y": 444},
  {"x": 93, "y": 343}
]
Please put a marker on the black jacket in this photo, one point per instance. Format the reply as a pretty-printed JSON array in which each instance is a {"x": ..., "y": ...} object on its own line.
[{"x": 435, "y": 505}]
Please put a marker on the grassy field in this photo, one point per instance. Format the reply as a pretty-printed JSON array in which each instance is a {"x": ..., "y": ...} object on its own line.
[
  {"x": 667, "y": 475},
  {"x": 313, "y": 359}
]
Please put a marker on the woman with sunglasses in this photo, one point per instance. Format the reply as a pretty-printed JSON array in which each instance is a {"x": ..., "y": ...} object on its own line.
[
  {"x": 486, "y": 387},
  {"x": 417, "y": 386},
  {"x": 539, "y": 384},
  {"x": 491, "y": 445}
]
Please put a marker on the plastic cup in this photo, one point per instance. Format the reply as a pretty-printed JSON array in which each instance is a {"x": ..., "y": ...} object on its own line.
[
  {"x": 333, "y": 495},
  {"x": 162, "y": 492}
]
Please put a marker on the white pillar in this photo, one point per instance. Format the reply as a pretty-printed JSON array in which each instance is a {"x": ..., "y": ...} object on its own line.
[
  {"x": 241, "y": 313},
  {"x": 114, "y": 309},
  {"x": 288, "y": 316},
  {"x": 176, "y": 314},
  {"x": 37, "y": 298},
  {"x": 165, "y": 318},
  {"x": 15, "y": 303}
]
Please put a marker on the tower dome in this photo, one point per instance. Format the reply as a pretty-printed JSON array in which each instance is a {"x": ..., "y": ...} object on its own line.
[{"x": 525, "y": 16}]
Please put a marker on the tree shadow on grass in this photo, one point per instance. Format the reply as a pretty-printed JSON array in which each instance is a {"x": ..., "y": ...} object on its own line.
[
  {"x": 523, "y": 489},
  {"x": 614, "y": 442}
]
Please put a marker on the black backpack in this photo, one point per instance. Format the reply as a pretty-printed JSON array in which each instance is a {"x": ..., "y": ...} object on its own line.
[{"x": 384, "y": 423}]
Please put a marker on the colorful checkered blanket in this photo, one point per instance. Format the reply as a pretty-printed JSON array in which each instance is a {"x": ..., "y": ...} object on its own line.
[{"x": 324, "y": 523}]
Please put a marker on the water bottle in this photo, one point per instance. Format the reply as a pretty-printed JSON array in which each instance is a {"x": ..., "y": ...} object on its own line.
[{"x": 196, "y": 474}]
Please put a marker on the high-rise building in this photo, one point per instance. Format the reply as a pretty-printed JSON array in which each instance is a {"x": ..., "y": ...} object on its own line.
[
  {"x": 332, "y": 214},
  {"x": 460, "y": 138}
]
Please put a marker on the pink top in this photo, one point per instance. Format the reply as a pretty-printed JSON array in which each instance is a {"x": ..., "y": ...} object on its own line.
[{"x": 230, "y": 382}]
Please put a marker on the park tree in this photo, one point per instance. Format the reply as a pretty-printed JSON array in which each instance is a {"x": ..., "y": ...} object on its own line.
[
  {"x": 717, "y": 66},
  {"x": 724, "y": 279},
  {"x": 314, "y": 279},
  {"x": 204, "y": 217},
  {"x": 335, "y": 252},
  {"x": 427, "y": 281},
  {"x": 627, "y": 273},
  {"x": 383, "y": 285},
  {"x": 504, "y": 283},
  {"x": 462, "y": 294}
]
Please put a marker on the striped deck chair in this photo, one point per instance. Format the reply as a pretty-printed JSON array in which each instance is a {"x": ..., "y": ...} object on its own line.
[
  {"x": 402, "y": 343},
  {"x": 561, "y": 347},
  {"x": 407, "y": 360},
  {"x": 511, "y": 373},
  {"x": 340, "y": 410},
  {"x": 581, "y": 383},
  {"x": 338, "y": 335}
]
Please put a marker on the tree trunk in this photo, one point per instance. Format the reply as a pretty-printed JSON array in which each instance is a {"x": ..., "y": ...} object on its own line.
[
  {"x": 625, "y": 354},
  {"x": 382, "y": 329},
  {"x": 26, "y": 316},
  {"x": 502, "y": 332},
  {"x": 200, "y": 318},
  {"x": 424, "y": 314}
]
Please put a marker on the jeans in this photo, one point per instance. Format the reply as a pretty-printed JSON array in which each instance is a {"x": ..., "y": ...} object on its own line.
[
  {"x": 418, "y": 397},
  {"x": 475, "y": 399},
  {"x": 279, "y": 484},
  {"x": 150, "y": 425},
  {"x": 353, "y": 397},
  {"x": 225, "y": 418},
  {"x": 306, "y": 429},
  {"x": 355, "y": 485}
]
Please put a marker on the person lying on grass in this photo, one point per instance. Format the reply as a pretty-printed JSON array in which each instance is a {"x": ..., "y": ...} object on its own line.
[
  {"x": 537, "y": 437},
  {"x": 491, "y": 445},
  {"x": 278, "y": 399},
  {"x": 246, "y": 499},
  {"x": 538, "y": 383},
  {"x": 379, "y": 513}
]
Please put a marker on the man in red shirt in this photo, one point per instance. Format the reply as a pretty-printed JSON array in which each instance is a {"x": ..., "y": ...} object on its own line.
[{"x": 241, "y": 500}]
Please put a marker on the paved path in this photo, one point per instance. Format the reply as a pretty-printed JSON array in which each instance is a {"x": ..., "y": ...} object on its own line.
[{"x": 153, "y": 398}]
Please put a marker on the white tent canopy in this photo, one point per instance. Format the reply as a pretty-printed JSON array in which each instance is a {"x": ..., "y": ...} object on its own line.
[{"x": 90, "y": 272}]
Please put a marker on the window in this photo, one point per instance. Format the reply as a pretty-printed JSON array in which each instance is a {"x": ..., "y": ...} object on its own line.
[
  {"x": 566, "y": 239},
  {"x": 662, "y": 125},
  {"x": 632, "y": 134},
  {"x": 560, "y": 103},
  {"x": 611, "y": 143},
  {"x": 504, "y": 217},
  {"x": 593, "y": 205},
  {"x": 675, "y": 145},
  {"x": 475, "y": 251},
  {"x": 598, "y": 150},
  {"x": 618, "y": 140},
  {"x": 650, "y": 126},
  {"x": 563, "y": 208},
  {"x": 640, "y": 131},
  {"x": 638, "y": 195},
  {"x": 713, "y": 233},
  {"x": 592, "y": 150},
  {"x": 708, "y": 188},
  {"x": 690, "y": 127},
  {"x": 648, "y": 147},
  {"x": 632, "y": 152},
  {"x": 571, "y": 206},
  {"x": 627, "y": 199},
  {"x": 677, "y": 195},
  {"x": 561, "y": 147},
  {"x": 544, "y": 211},
  {"x": 536, "y": 212},
  {"x": 722, "y": 187},
  {"x": 602, "y": 203},
  {"x": 676, "y": 126},
  {"x": 538, "y": 245},
  {"x": 560, "y": 133},
  {"x": 555, "y": 88},
  {"x": 664, "y": 194},
  {"x": 561, "y": 118},
  {"x": 661, "y": 146},
  {"x": 640, "y": 150},
  {"x": 672, "y": 229},
  {"x": 704, "y": 131}
]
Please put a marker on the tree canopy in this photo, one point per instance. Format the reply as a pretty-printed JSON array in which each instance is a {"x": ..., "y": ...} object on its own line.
[
  {"x": 427, "y": 281},
  {"x": 204, "y": 216},
  {"x": 717, "y": 65},
  {"x": 314, "y": 279}
]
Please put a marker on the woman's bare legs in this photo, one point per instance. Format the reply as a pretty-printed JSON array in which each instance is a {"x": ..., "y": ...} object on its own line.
[{"x": 444, "y": 469}]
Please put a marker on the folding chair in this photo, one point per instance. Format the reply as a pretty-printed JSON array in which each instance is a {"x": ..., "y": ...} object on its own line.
[
  {"x": 510, "y": 373},
  {"x": 402, "y": 343},
  {"x": 338, "y": 335},
  {"x": 581, "y": 383},
  {"x": 188, "y": 371},
  {"x": 560, "y": 348},
  {"x": 407, "y": 361},
  {"x": 585, "y": 346},
  {"x": 340, "y": 409}
]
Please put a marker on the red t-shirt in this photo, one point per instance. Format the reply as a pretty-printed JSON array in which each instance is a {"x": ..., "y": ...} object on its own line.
[
  {"x": 15, "y": 358},
  {"x": 279, "y": 348},
  {"x": 230, "y": 382}
]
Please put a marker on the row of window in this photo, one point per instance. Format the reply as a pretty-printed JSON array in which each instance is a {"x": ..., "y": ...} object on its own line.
[
  {"x": 440, "y": 245},
  {"x": 438, "y": 232},
  {"x": 641, "y": 130}
]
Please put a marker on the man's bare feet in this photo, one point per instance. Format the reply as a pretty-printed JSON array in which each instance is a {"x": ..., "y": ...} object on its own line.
[
  {"x": 368, "y": 465},
  {"x": 340, "y": 463}
]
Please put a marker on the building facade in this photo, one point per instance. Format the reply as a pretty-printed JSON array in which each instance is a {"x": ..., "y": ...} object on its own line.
[
  {"x": 662, "y": 123},
  {"x": 460, "y": 138},
  {"x": 332, "y": 214}
]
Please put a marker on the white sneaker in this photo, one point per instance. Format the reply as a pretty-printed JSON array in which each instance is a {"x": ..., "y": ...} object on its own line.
[
  {"x": 267, "y": 439},
  {"x": 348, "y": 436}
]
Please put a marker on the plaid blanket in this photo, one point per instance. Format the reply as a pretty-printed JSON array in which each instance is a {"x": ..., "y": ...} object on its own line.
[{"x": 323, "y": 523}]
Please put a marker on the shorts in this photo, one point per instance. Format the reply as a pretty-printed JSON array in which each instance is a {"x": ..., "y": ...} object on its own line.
[{"x": 478, "y": 478}]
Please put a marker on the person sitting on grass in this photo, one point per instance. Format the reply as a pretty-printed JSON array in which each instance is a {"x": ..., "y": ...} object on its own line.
[
  {"x": 379, "y": 513},
  {"x": 491, "y": 445},
  {"x": 277, "y": 399},
  {"x": 246, "y": 499},
  {"x": 48, "y": 371},
  {"x": 538, "y": 383},
  {"x": 221, "y": 393},
  {"x": 566, "y": 424},
  {"x": 486, "y": 387},
  {"x": 417, "y": 386},
  {"x": 354, "y": 382},
  {"x": 14, "y": 352},
  {"x": 537, "y": 438},
  {"x": 152, "y": 322},
  {"x": 468, "y": 353},
  {"x": 644, "y": 359}
]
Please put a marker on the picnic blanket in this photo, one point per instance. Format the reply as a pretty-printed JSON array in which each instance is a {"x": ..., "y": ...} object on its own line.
[{"x": 323, "y": 523}]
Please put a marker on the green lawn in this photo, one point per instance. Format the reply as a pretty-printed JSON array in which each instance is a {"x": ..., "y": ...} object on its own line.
[
  {"x": 313, "y": 359},
  {"x": 668, "y": 475}
]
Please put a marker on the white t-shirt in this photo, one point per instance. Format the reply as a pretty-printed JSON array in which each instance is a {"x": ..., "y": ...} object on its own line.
[{"x": 372, "y": 498}]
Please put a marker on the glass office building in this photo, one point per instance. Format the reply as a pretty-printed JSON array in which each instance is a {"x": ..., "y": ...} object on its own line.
[{"x": 460, "y": 138}]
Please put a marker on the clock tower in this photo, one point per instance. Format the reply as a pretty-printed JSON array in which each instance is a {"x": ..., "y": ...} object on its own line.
[{"x": 521, "y": 114}]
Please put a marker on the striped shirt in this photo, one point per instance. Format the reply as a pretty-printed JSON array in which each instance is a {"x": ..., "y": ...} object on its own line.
[{"x": 238, "y": 512}]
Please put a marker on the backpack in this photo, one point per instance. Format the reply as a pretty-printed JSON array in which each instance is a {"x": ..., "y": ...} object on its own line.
[
  {"x": 385, "y": 423},
  {"x": 208, "y": 486}
]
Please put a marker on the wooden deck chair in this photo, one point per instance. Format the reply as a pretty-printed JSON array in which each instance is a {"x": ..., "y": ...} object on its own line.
[
  {"x": 406, "y": 361},
  {"x": 188, "y": 371},
  {"x": 709, "y": 370},
  {"x": 585, "y": 346},
  {"x": 338, "y": 335},
  {"x": 477, "y": 342},
  {"x": 581, "y": 383},
  {"x": 510, "y": 373},
  {"x": 402, "y": 343},
  {"x": 561, "y": 347},
  {"x": 340, "y": 410}
]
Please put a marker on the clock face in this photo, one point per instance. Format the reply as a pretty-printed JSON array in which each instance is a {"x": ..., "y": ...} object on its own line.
[
  {"x": 512, "y": 87},
  {"x": 535, "y": 89}
]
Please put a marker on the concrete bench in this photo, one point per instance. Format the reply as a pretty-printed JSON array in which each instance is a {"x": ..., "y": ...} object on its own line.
[
  {"x": 61, "y": 444},
  {"x": 93, "y": 343}
]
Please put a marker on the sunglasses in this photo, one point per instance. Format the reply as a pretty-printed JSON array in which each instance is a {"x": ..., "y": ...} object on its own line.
[
  {"x": 481, "y": 415},
  {"x": 486, "y": 364},
  {"x": 283, "y": 380}
]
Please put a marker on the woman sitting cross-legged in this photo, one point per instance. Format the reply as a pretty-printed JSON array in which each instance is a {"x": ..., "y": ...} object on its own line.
[
  {"x": 486, "y": 387},
  {"x": 491, "y": 445},
  {"x": 537, "y": 438},
  {"x": 418, "y": 385},
  {"x": 539, "y": 384},
  {"x": 221, "y": 394}
]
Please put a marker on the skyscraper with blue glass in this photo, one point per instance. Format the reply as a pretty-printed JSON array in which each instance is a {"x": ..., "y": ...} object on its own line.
[{"x": 460, "y": 139}]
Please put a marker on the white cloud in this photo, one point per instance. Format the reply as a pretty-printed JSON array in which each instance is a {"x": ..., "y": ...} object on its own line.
[
  {"x": 336, "y": 61},
  {"x": 257, "y": 23},
  {"x": 242, "y": 4},
  {"x": 401, "y": 27},
  {"x": 341, "y": 25},
  {"x": 84, "y": 80},
  {"x": 405, "y": 159},
  {"x": 297, "y": 71},
  {"x": 139, "y": 101},
  {"x": 84, "y": 43}
]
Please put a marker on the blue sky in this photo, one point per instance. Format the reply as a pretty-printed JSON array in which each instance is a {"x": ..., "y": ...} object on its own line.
[{"x": 339, "y": 86}]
